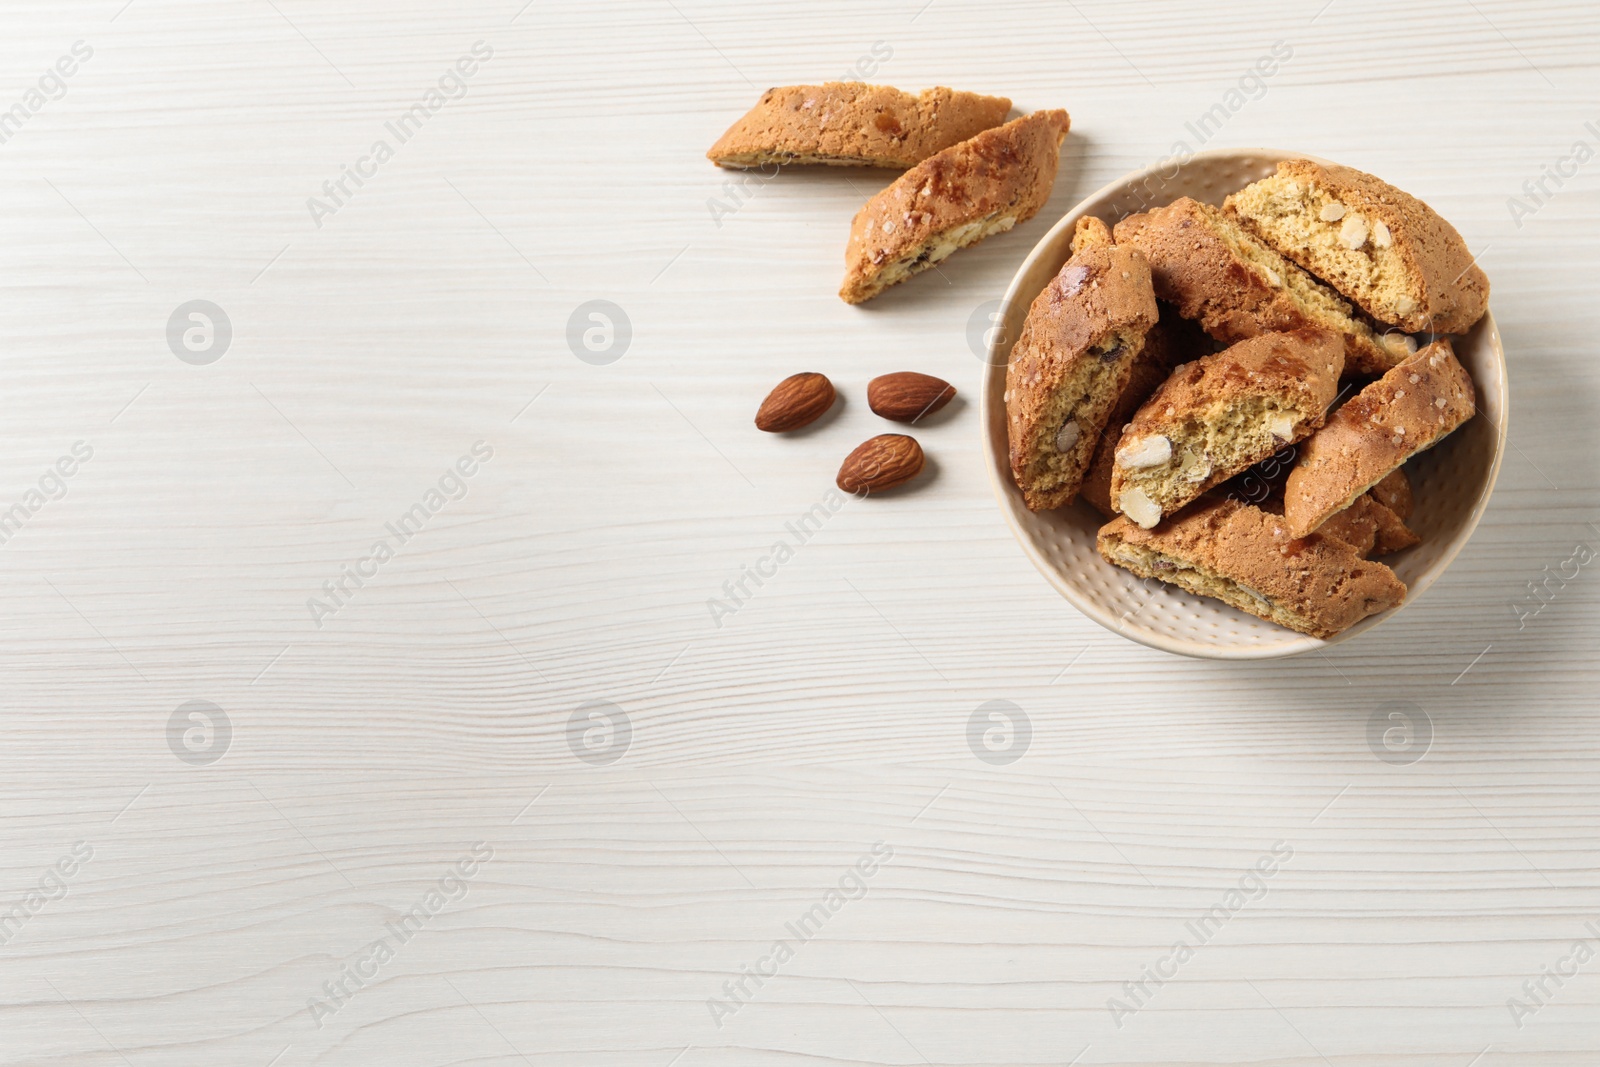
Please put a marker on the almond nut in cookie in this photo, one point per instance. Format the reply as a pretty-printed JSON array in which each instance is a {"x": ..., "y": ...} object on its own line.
[
  {"x": 885, "y": 461},
  {"x": 797, "y": 401},
  {"x": 1144, "y": 452},
  {"x": 907, "y": 396}
]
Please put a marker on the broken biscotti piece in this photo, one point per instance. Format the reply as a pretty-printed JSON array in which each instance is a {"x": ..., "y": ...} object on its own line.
[
  {"x": 1215, "y": 272},
  {"x": 1392, "y": 533},
  {"x": 1220, "y": 415},
  {"x": 1088, "y": 232},
  {"x": 953, "y": 199},
  {"x": 1370, "y": 528},
  {"x": 1381, "y": 248},
  {"x": 1173, "y": 340},
  {"x": 1083, "y": 333},
  {"x": 1356, "y": 526},
  {"x": 1406, "y": 411},
  {"x": 1245, "y": 557},
  {"x": 848, "y": 124},
  {"x": 1393, "y": 491}
]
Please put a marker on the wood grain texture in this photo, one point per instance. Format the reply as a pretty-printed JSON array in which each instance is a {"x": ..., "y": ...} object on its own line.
[{"x": 833, "y": 710}]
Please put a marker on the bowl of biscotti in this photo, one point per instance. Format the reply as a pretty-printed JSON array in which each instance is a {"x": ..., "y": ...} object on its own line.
[
  {"x": 1239, "y": 404},
  {"x": 1245, "y": 404}
]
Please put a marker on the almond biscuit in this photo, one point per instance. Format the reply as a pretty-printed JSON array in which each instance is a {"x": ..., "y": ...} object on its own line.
[
  {"x": 1237, "y": 287},
  {"x": 1220, "y": 415},
  {"x": 1245, "y": 557},
  {"x": 955, "y": 198},
  {"x": 1172, "y": 341},
  {"x": 1083, "y": 334},
  {"x": 848, "y": 124},
  {"x": 1393, "y": 491},
  {"x": 1408, "y": 410},
  {"x": 1383, "y": 249},
  {"x": 1369, "y": 527}
]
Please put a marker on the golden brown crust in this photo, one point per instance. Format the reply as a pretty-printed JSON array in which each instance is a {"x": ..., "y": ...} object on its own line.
[
  {"x": 1078, "y": 345},
  {"x": 1237, "y": 287},
  {"x": 1356, "y": 525},
  {"x": 1172, "y": 341},
  {"x": 955, "y": 198},
  {"x": 1222, "y": 414},
  {"x": 1391, "y": 533},
  {"x": 1245, "y": 557},
  {"x": 1406, "y": 411},
  {"x": 848, "y": 124},
  {"x": 1380, "y": 247},
  {"x": 1393, "y": 491},
  {"x": 1370, "y": 527},
  {"x": 1090, "y": 231}
]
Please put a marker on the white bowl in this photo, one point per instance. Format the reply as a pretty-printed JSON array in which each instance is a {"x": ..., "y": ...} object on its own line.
[{"x": 1452, "y": 481}]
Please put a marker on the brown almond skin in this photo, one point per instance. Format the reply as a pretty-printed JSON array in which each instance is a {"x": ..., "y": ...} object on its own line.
[
  {"x": 885, "y": 461},
  {"x": 797, "y": 401},
  {"x": 907, "y": 396}
]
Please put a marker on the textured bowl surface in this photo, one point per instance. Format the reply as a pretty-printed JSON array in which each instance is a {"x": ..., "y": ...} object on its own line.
[{"x": 1452, "y": 481}]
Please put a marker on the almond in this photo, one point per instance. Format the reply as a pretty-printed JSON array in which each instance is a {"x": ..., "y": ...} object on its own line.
[
  {"x": 796, "y": 401},
  {"x": 907, "y": 396},
  {"x": 888, "y": 460}
]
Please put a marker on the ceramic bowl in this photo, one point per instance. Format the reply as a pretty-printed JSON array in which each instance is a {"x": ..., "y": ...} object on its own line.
[{"x": 1452, "y": 481}]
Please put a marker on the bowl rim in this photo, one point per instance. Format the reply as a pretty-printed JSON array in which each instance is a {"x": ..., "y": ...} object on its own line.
[{"x": 1009, "y": 498}]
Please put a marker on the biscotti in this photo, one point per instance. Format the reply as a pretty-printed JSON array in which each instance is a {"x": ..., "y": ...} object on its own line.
[
  {"x": 1245, "y": 557},
  {"x": 1088, "y": 232},
  {"x": 1077, "y": 347},
  {"x": 1356, "y": 525},
  {"x": 1370, "y": 528},
  {"x": 848, "y": 124},
  {"x": 1392, "y": 533},
  {"x": 1406, "y": 411},
  {"x": 955, "y": 198},
  {"x": 1172, "y": 341},
  {"x": 1393, "y": 491},
  {"x": 1380, "y": 247},
  {"x": 1236, "y": 287},
  {"x": 1221, "y": 414}
]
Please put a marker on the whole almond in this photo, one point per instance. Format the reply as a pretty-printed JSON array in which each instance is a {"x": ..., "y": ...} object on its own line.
[
  {"x": 796, "y": 401},
  {"x": 888, "y": 460},
  {"x": 907, "y": 396}
]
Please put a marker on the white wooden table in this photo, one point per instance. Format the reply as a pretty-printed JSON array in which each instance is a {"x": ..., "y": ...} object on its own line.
[{"x": 387, "y": 792}]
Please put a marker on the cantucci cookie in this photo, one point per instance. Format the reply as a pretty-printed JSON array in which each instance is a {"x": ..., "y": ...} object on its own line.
[
  {"x": 955, "y": 198},
  {"x": 1356, "y": 526},
  {"x": 1406, "y": 411},
  {"x": 1080, "y": 341},
  {"x": 848, "y": 124},
  {"x": 1173, "y": 340},
  {"x": 1220, "y": 415},
  {"x": 1237, "y": 287},
  {"x": 1370, "y": 528},
  {"x": 1392, "y": 533},
  {"x": 1245, "y": 557},
  {"x": 1393, "y": 491},
  {"x": 1380, "y": 247},
  {"x": 1088, "y": 232}
]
